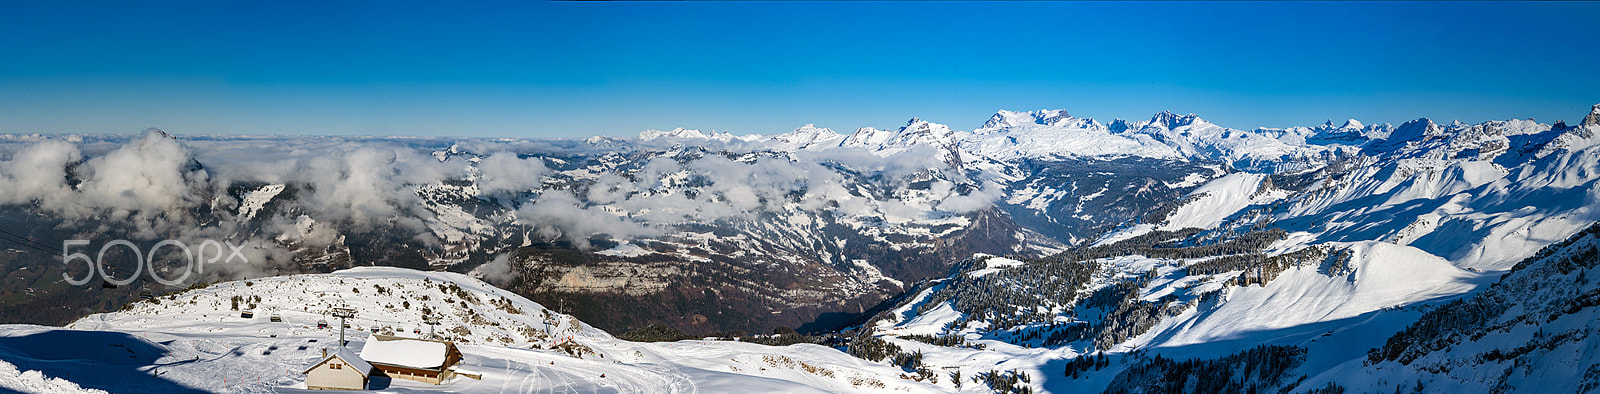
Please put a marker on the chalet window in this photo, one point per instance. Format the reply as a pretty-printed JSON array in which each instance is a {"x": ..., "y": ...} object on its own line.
[{"x": 333, "y": 366}]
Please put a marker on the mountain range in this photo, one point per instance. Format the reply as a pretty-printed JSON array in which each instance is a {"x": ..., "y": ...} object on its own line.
[{"x": 1112, "y": 256}]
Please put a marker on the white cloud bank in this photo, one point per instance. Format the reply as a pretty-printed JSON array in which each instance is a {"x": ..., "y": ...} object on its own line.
[{"x": 356, "y": 183}]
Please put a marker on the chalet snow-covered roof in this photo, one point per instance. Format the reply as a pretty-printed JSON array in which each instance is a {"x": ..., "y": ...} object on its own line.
[
  {"x": 413, "y": 353},
  {"x": 349, "y": 357}
]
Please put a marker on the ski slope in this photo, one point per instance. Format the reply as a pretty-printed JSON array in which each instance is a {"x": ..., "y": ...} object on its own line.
[{"x": 195, "y": 342}]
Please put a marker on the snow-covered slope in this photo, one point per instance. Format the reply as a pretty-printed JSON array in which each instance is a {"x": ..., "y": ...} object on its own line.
[
  {"x": 393, "y": 301},
  {"x": 1534, "y": 331},
  {"x": 1332, "y": 299},
  {"x": 1382, "y": 225},
  {"x": 194, "y": 341},
  {"x": 37, "y": 382},
  {"x": 1212, "y": 203},
  {"x": 1376, "y": 276}
]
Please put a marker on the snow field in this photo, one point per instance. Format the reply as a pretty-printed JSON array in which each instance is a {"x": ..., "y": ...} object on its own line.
[{"x": 193, "y": 340}]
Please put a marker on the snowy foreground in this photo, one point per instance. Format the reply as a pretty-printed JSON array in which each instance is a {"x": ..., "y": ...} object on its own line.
[{"x": 194, "y": 342}]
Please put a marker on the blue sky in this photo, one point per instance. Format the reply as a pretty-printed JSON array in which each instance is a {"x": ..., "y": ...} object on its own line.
[{"x": 563, "y": 69}]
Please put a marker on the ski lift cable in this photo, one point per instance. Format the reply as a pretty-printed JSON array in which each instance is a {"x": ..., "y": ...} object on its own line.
[
  {"x": 352, "y": 319},
  {"x": 26, "y": 245},
  {"x": 24, "y": 242},
  {"x": 24, "y": 239},
  {"x": 374, "y": 320}
]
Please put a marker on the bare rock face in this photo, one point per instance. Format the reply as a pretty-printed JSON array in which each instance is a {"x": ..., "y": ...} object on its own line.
[{"x": 1594, "y": 117}]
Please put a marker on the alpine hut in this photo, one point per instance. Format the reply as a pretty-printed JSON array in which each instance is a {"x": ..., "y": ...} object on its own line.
[{"x": 340, "y": 370}]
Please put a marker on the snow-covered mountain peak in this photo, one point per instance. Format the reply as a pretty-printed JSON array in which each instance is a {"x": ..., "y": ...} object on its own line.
[
  {"x": 919, "y": 125},
  {"x": 918, "y": 131},
  {"x": 1348, "y": 127},
  {"x": 1350, "y": 133},
  {"x": 604, "y": 142},
  {"x": 1512, "y": 127},
  {"x": 1119, "y": 126},
  {"x": 867, "y": 137},
  {"x": 675, "y": 133},
  {"x": 915, "y": 132},
  {"x": 1010, "y": 119},
  {"x": 163, "y": 133},
  {"x": 1593, "y": 119},
  {"x": 1415, "y": 130},
  {"x": 1169, "y": 120},
  {"x": 810, "y": 130},
  {"x": 1004, "y": 119},
  {"x": 695, "y": 134},
  {"x": 809, "y": 136}
]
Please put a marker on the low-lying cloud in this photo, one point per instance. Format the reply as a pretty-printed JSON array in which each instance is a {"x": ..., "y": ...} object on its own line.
[{"x": 351, "y": 184}]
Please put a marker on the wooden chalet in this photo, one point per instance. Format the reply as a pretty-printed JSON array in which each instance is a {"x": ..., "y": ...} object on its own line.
[{"x": 421, "y": 360}]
